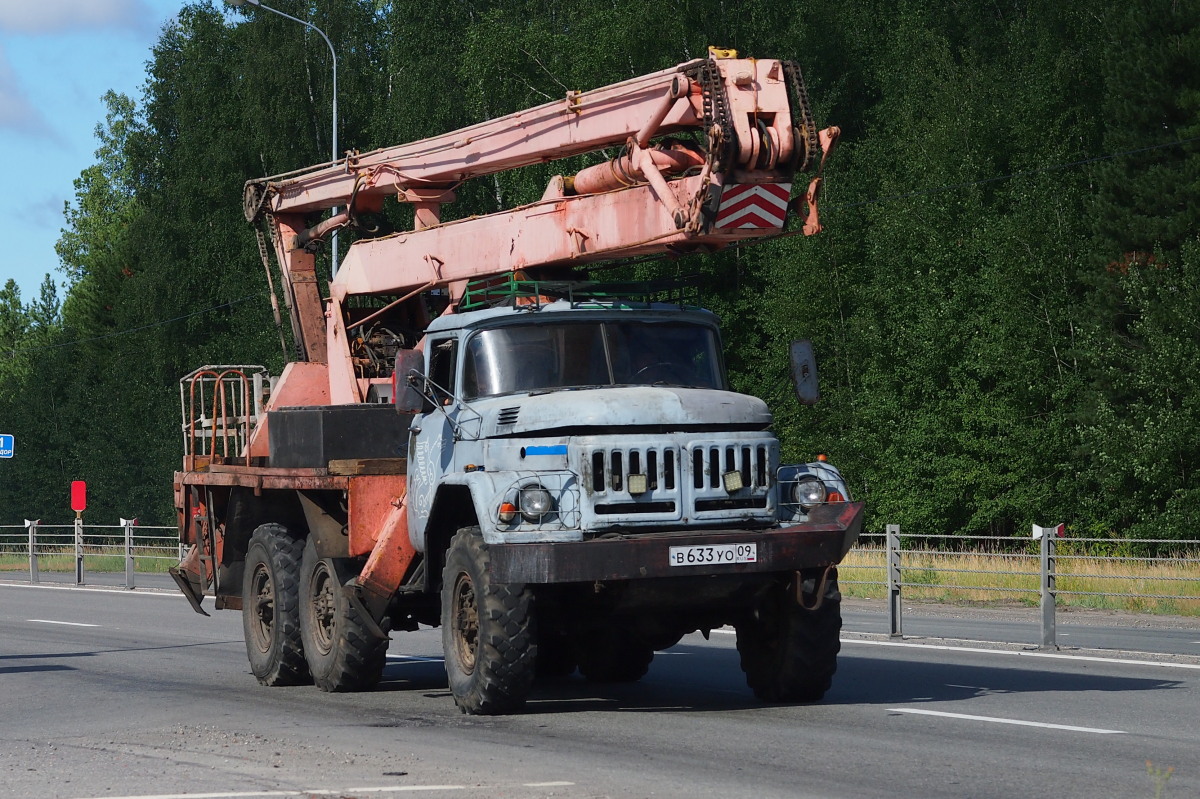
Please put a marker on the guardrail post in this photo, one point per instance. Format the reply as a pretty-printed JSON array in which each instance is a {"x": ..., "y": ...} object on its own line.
[
  {"x": 78, "y": 549},
  {"x": 895, "y": 621},
  {"x": 129, "y": 565},
  {"x": 33, "y": 563},
  {"x": 1049, "y": 589}
]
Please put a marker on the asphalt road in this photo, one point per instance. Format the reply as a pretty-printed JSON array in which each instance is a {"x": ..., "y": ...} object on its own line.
[
  {"x": 119, "y": 694},
  {"x": 1075, "y": 629}
]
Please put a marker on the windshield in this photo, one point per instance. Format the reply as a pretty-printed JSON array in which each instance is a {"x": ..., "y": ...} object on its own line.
[{"x": 505, "y": 360}]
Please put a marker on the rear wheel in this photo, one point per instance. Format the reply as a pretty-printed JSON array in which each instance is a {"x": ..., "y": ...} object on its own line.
[
  {"x": 270, "y": 612},
  {"x": 488, "y": 631},
  {"x": 342, "y": 653},
  {"x": 789, "y": 653}
]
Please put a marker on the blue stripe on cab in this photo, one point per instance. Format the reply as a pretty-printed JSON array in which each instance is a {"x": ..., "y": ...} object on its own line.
[{"x": 557, "y": 449}]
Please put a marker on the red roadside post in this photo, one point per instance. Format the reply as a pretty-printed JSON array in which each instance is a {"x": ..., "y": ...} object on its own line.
[{"x": 79, "y": 505}]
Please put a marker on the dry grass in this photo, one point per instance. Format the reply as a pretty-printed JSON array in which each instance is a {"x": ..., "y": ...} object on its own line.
[
  {"x": 93, "y": 561},
  {"x": 1136, "y": 585}
]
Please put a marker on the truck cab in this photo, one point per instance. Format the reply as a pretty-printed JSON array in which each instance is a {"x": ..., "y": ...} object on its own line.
[{"x": 570, "y": 420}]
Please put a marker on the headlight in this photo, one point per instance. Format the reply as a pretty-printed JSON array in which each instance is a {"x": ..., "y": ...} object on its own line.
[
  {"x": 535, "y": 503},
  {"x": 808, "y": 491}
]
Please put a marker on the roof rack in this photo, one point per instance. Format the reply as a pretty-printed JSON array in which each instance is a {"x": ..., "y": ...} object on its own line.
[{"x": 512, "y": 289}]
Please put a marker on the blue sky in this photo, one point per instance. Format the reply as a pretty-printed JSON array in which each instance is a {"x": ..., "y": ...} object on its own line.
[{"x": 57, "y": 59}]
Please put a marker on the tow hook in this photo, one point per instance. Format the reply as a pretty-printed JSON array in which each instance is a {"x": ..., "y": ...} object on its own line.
[{"x": 818, "y": 595}]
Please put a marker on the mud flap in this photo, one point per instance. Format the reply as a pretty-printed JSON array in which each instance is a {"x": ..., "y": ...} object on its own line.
[
  {"x": 189, "y": 584},
  {"x": 353, "y": 593}
]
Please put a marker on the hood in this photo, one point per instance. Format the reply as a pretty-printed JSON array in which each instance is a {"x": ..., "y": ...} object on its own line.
[{"x": 658, "y": 406}]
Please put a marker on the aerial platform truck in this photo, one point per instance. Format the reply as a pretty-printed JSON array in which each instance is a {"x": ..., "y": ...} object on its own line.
[{"x": 474, "y": 434}]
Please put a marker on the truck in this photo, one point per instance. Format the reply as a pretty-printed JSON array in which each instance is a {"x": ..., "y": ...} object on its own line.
[{"x": 474, "y": 432}]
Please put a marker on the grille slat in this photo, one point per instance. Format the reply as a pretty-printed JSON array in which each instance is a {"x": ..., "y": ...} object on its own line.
[
  {"x": 660, "y": 464},
  {"x": 611, "y": 468}
]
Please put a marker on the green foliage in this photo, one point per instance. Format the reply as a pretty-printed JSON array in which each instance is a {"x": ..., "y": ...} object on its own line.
[{"x": 1005, "y": 334}]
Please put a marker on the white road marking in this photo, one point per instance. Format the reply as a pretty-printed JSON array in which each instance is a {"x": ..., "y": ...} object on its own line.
[
  {"x": 64, "y": 623},
  {"x": 384, "y": 789},
  {"x": 308, "y": 792},
  {"x": 1023, "y": 653},
  {"x": 994, "y": 720},
  {"x": 416, "y": 658},
  {"x": 90, "y": 589},
  {"x": 980, "y": 688}
]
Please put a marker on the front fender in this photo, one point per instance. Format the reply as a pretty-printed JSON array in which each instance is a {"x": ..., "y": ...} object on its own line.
[
  {"x": 474, "y": 498},
  {"x": 458, "y": 502}
]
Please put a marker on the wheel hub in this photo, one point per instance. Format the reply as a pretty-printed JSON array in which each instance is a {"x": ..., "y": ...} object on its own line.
[
  {"x": 323, "y": 609},
  {"x": 466, "y": 622},
  {"x": 263, "y": 607}
]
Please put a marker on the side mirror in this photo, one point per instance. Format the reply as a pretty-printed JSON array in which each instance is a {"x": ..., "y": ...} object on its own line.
[
  {"x": 408, "y": 398},
  {"x": 804, "y": 372}
]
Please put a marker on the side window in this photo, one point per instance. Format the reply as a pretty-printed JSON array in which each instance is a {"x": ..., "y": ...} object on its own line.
[{"x": 442, "y": 358}]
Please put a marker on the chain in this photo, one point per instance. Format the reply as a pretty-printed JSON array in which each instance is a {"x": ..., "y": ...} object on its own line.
[
  {"x": 266, "y": 261},
  {"x": 717, "y": 124},
  {"x": 721, "y": 141},
  {"x": 802, "y": 119}
]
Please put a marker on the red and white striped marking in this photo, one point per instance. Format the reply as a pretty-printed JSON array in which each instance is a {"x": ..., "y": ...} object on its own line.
[{"x": 754, "y": 205}]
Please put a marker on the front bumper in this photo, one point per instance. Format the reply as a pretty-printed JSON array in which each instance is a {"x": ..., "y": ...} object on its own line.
[{"x": 821, "y": 541}]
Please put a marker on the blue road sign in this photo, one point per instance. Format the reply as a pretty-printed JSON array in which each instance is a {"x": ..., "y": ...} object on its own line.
[{"x": 6, "y": 446}]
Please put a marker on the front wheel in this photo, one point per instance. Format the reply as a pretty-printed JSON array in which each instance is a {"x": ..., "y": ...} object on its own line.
[
  {"x": 488, "y": 631},
  {"x": 789, "y": 653},
  {"x": 342, "y": 652},
  {"x": 270, "y": 613}
]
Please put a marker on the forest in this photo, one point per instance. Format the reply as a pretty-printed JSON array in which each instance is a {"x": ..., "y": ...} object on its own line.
[{"x": 1004, "y": 302}]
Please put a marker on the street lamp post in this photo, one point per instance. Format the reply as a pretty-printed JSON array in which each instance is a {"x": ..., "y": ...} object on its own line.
[{"x": 332, "y": 55}]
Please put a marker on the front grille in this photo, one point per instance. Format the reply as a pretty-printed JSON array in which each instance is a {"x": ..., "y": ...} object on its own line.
[
  {"x": 621, "y": 508},
  {"x": 654, "y": 480},
  {"x": 711, "y": 462},
  {"x": 611, "y": 468},
  {"x": 749, "y": 503}
]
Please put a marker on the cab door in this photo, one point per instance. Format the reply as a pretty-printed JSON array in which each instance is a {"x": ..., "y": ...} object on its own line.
[{"x": 431, "y": 440}]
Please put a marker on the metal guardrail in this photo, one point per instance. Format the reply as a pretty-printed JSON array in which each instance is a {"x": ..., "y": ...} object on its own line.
[
  {"x": 900, "y": 567},
  {"x": 79, "y": 543}
]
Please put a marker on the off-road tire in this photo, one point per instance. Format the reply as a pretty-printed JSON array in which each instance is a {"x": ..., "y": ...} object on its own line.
[
  {"x": 342, "y": 653},
  {"x": 270, "y": 607},
  {"x": 789, "y": 654},
  {"x": 488, "y": 631},
  {"x": 612, "y": 655}
]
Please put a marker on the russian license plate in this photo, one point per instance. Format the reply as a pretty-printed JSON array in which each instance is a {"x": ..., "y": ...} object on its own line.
[{"x": 713, "y": 553}]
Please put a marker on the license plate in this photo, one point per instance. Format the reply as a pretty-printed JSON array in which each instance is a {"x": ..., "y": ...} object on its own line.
[{"x": 714, "y": 554}]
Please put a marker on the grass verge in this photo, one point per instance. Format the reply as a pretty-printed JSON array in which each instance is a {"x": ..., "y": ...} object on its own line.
[
  {"x": 1128, "y": 584},
  {"x": 92, "y": 562}
]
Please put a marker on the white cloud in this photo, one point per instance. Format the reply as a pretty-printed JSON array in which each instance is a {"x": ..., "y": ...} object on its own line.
[
  {"x": 59, "y": 16},
  {"x": 16, "y": 112}
]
